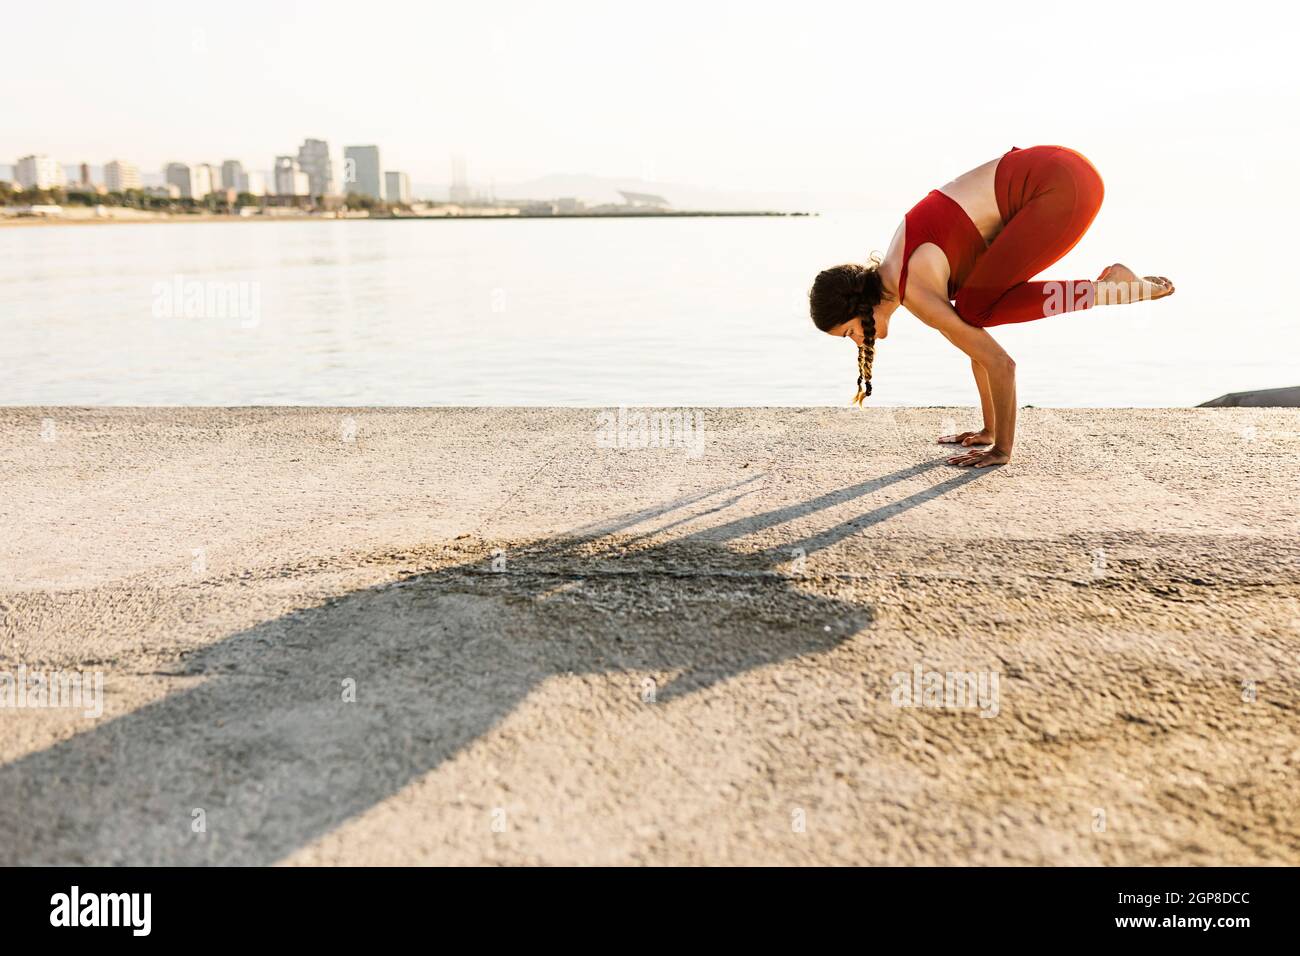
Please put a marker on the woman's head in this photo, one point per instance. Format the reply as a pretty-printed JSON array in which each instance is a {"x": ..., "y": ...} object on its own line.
[{"x": 843, "y": 302}]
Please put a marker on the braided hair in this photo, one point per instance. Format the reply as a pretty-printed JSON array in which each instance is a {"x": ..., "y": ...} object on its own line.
[
  {"x": 845, "y": 292},
  {"x": 866, "y": 356}
]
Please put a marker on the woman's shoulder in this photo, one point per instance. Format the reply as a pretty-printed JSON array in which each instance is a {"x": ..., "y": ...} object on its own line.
[{"x": 927, "y": 271}]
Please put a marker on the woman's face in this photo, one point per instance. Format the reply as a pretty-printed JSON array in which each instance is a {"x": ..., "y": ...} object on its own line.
[{"x": 852, "y": 329}]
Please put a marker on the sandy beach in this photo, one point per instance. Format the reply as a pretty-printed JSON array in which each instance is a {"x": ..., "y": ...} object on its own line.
[{"x": 493, "y": 636}]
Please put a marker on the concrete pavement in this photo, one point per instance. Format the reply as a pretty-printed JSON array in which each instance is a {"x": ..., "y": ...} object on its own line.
[{"x": 477, "y": 636}]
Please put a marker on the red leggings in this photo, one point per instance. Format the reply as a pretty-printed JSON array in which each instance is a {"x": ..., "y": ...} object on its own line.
[{"x": 1048, "y": 197}]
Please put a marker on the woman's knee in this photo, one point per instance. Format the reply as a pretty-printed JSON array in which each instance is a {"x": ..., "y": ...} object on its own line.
[{"x": 1089, "y": 187}]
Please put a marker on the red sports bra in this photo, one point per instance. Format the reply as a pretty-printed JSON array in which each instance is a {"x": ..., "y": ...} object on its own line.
[{"x": 939, "y": 219}]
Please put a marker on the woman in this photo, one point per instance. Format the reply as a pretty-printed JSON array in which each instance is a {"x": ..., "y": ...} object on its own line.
[{"x": 961, "y": 261}]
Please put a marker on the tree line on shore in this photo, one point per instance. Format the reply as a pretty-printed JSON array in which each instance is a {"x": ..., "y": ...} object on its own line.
[{"x": 217, "y": 202}]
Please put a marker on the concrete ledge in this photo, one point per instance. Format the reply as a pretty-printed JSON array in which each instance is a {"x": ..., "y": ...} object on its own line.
[{"x": 506, "y": 636}]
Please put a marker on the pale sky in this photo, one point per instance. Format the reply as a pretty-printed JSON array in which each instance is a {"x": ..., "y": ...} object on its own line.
[{"x": 853, "y": 98}]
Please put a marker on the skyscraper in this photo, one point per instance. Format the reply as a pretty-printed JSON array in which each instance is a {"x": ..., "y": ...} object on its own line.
[
  {"x": 180, "y": 176},
  {"x": 290, "y": 180},
  {"x": 232, "y": 175},
  {"x": 119, "y": 176},
  {"x": 397, "y": 186},
  {"x": 314, "y": 158},
  {"x": 362, "y": 172},
  {"x": 39, "y": 172},
  {"x": 207, "y": 179},
  {"x": 460, "y": 192}
]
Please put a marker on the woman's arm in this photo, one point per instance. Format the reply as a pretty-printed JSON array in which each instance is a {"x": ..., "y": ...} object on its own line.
[
  {"x": 998, "y": 389},
  {"x": 986, "y": 397},
  {"x": 985, "y": 435}
]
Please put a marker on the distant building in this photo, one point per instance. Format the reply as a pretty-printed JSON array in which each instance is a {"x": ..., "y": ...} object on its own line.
[
  {"x": 232, "y": 175},
  {"x": 460, "y": 191},
  {"x": 290, "y": 180},
  {"x": 169, "y": 191},
  {"x": 38, "y": 209},
  {"x": 207, "y": 179},
  {"x": 182, "y": 177},
  {"x": 314, "y": 158},
  {"x": 40, "y": 172},
  {"x": 361, "y": 171},
  {"x": 397, "y": 187},
  {"x": 253, "y": 183},
  {"x": 568, "y": 205},
  {"x": 120, "y": 176},
  {"x": 644, "y": 200}
]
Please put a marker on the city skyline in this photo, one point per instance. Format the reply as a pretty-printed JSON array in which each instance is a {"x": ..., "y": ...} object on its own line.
[
  {"x": 119, "y": 174},
  {"x": 750, "y": 106},
  {"x": 310, "y": 172}
]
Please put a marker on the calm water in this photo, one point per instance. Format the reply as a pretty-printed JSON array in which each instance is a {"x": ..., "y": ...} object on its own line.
[{"x": 674, "y": 312}]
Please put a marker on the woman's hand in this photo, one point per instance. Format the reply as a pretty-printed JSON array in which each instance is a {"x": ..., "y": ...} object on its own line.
[
  {"x": 996, "y": 365},
  {"x": 981, "y": 459},
  {"x": 981, "y": 437}
]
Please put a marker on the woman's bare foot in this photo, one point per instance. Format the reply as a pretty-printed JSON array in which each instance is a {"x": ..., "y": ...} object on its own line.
[{"x": 1118, "y": 285}]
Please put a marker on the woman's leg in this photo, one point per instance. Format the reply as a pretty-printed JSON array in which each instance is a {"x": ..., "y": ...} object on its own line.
[{"x": 1063, "y": 195}]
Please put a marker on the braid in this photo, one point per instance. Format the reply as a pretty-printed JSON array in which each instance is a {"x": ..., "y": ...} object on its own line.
[
  {"x": 845, "y": 293},
  {"x": 866, "y": 356}
]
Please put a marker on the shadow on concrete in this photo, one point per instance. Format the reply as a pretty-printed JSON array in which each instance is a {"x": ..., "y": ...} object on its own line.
[{"x": 269, "y": 750}]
